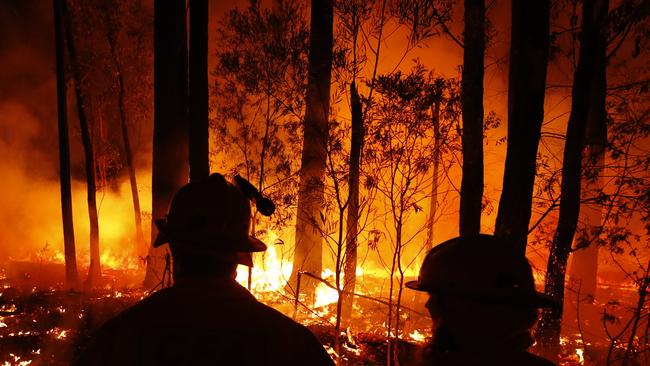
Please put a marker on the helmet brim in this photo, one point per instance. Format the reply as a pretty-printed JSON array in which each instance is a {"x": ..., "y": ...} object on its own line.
[
  {"x": 248, "y": 245},
  {"x": 415, "y": 285},
  {"x": 538, "y": 300}
]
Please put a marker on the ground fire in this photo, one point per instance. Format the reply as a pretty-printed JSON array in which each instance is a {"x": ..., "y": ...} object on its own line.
[{"x": 361, "y": 145}]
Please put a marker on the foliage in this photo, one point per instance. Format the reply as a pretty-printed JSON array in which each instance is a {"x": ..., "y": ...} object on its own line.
[
  {"x": 399, "y": 157},
  {"x": 127, "y": 25},
  {"x": 425, "y": 18},
  {"x": 259, "y": 88}
]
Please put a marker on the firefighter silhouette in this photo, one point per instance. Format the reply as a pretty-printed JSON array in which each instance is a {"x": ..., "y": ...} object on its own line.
[
  {"x": 206, "y": 317},
  {"x": 483, "y": 303}
]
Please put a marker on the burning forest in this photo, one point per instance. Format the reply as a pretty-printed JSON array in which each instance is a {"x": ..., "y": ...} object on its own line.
[{"x": 349, "y": 182}]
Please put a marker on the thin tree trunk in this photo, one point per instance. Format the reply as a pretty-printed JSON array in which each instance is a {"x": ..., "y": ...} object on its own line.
[
  {"x": 389, "y": 321},
  {"x": 71, "y": 275},
  {"x": 471, "y": 188},
  {"x": 400, "y": 290},
  {"x": 352, "y": 223},
  {"x": 308, "y": 252},
  {"x": 94, "y": 271},
  {"x": 433, "y": 207},
  {"x": 527, "y": 82},
  {"x": 198, "y": 93},
  {"x": 128, "y": 154},
  {"x": 594, "y": 15},
  {"x": 637, "y": 316},
  {"x": 170, "y": 134}
]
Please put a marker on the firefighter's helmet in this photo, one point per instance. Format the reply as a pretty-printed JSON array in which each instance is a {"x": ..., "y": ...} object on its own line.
[
  {"x": 209, "y": 216},
  {"x": 483, "y": 268}
]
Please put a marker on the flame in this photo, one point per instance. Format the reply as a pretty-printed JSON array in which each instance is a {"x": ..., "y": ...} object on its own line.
[
  {"x": 124, "y": 262},
  {"x": 270, "y": 272},
  {"x": 325, "y": 295},
  {"x": 108, "y": 259},
  {"x": 417, "y": 336},
  {"x": 580, "y": 353}
]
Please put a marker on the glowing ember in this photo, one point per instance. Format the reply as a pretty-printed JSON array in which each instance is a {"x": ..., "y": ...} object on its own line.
[
  {"x": 8, "y": 308},
  {"x": 16, "y": 361},
  {"x": 58, "y": 333}
]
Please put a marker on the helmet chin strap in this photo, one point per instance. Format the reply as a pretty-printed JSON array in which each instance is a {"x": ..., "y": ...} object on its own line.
[{"x": 263, "y": 204}]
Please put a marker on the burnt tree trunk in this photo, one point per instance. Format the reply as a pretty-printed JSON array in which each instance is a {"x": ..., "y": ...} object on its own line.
[
  {"x": 128, "y": 152},
  {"x": 170, "y": 131},
  {"x": 352, "y": 222},
  {"x": 583, "y": 266},
  {"x": 433, "y": 207},
  {"x": 593, "y": 16},
  {"x": 94, "y": 271},
  {"x": 471, "y": 187},
  {"x": 71, "y": 275},
  {"x": 584, "y": 262},
  {"x": 529, "y": 50},
  {"x": 198, "y": 90},
  {"x": 308, "y": 252}
]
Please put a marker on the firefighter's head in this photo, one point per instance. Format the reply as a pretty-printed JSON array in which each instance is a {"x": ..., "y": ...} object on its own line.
[
  {"x": 208, "y": 227},
  {"x": 478, "y": 287}
]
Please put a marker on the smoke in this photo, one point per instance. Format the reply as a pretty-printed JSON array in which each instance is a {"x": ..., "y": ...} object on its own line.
[{"x": 30, "y": 206}]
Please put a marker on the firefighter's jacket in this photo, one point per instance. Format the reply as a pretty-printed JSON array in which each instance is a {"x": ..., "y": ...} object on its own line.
[{"x": 203, "y": 322}]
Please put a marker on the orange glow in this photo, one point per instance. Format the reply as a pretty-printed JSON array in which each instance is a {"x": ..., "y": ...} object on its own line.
[{"x": 31, "y": 235}]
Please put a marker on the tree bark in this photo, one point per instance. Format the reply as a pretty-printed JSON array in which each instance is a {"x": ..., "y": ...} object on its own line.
[
  {"x": 308, "y": 252},
  {"x": 591, "y": 34},
  {"x": 128, "y": 153},
  {"x": 94, "y": 271},
  {"x": 433, "y": 207},
  {"x": 471, "y": 188},
  {"x": 170, "y": 133},
  {"x": 583, "y": 269},
  {"x": 584, "y": 262},
  {"x": 198, "y": 92},
  {"x": 71, "y": 274},
  {"x": 352, "y": 222},
  {"x": 529, "y": 50}
]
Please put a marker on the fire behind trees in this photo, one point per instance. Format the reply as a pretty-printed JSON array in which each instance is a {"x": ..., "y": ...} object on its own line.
[{"x": 259, "y": 82}]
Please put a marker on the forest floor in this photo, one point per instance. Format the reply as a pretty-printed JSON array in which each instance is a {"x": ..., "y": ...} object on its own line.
[{"x": 47, "y": 326}]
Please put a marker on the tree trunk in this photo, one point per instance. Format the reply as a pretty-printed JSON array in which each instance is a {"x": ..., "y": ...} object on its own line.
[
  {"x": 584, "y": 260},
  {"x": 128, "y": 154},
  {"x": 94, "y": 271},
  {"x": 584, "y": 263},
  {"x": 308, "y": 252},
  {"x": 471, "y": 188},
  {"x": 198, "y": 92},
  {"x": 71, "y": 275},
  {"x": 170, "y": 132},
  {"x": 591, "y": 34},
  {"x": 352, "y": 222},
  {"x": 433, "y": 207},
  {"x": 529, "y": 50}
]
